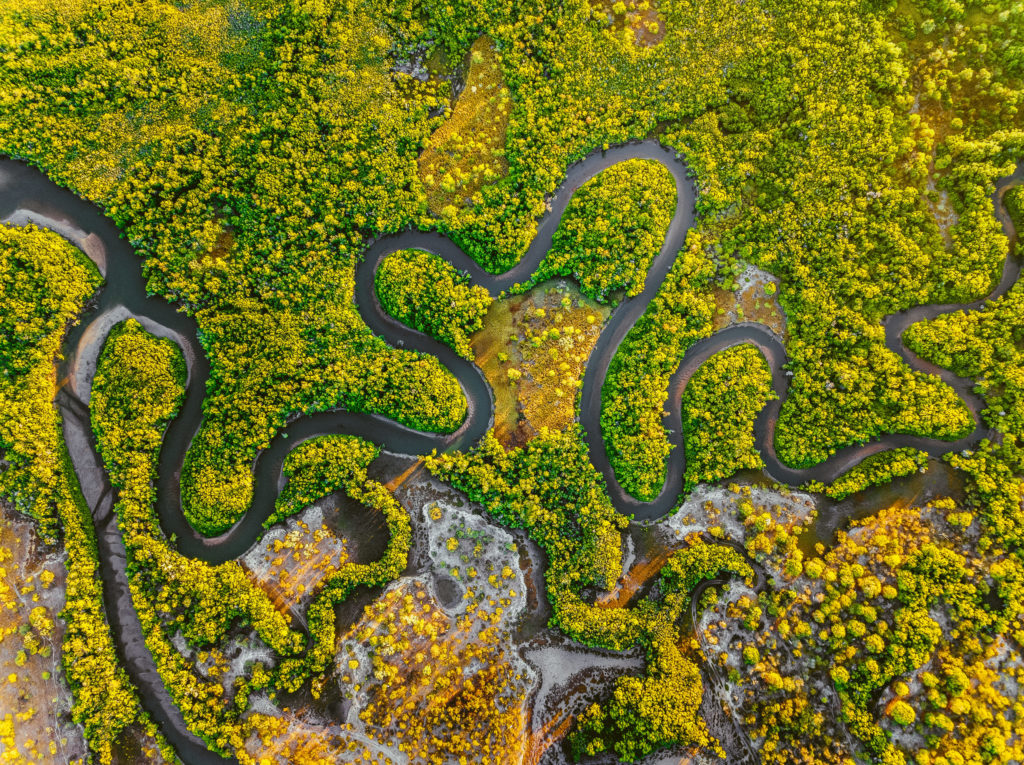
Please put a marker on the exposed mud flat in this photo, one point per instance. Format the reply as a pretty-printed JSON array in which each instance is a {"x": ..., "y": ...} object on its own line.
[
  {"x": 755, "y": 297},
  {"x": 572, "y": 678},
  {"x": 715, "y": 509},
  {"x": 35, "y": 702},
  {"x": 295, "y": 556},
  {"x": 285, "y": 735}
]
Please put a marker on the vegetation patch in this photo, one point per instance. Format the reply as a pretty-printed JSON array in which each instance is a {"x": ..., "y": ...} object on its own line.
[
  {"x": 845, "y": 640},
  {"x": 752, "y": 296},
  {"x": 986, "y": 346},
  {"x": 427, "y": 293},
  {"x": 828, "y": 200},
  {"x": 491, "y": 351},
  {"x": 636, "y": 387},
  {"x": 720, "y": 403},
  {"x": 550, "y": 489},
  {"x": 288, "y": 737},
  {"x": 289, "y": 563},
  {"x": 876, "y": 470},
  {"x": 468, "y": 150},
  {"x": 556, "y": 333},
  {"x": 45, "y": 283},
  {"x": 249, "y": 152},
  {"x": 611, "y": 231},
  {"x": 437, "y": 688}
]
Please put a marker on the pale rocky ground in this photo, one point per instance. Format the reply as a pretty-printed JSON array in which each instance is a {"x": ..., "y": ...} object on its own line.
[
  {"x": 35, "y": 702},
  {"x": 452, "y": 541}
]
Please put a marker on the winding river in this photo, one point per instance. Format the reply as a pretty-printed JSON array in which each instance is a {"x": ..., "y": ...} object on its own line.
[{"x": 28, "y": 196}]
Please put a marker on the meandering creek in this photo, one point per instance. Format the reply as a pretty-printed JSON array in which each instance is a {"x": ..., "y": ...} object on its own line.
[{"x": 28, "y": 196}]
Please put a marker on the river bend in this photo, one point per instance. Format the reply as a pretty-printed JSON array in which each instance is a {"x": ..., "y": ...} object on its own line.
[{"x": 28, "y": 196}]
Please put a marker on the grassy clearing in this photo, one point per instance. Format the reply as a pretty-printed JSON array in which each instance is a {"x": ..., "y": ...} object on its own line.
[
  {"x": 754, "y": 299},
  {"x": 468, "y": 151},
  {"x": 533, "y": 349}
]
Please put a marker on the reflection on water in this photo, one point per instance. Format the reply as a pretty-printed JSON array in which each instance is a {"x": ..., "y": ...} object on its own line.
[
  {"x": 363, "y": 528},
  {"x": 917, "y": 489}
]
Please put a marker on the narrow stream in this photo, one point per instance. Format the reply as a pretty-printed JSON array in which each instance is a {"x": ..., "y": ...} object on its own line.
[{"x": 28, "y": 196}]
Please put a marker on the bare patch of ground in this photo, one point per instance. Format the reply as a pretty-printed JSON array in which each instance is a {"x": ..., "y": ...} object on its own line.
[
  {"x": 35, "y": 703},
  {"x": 942, "y": 210},
  {"x": 572, "y": 678},
  {"x": 755, "y": 298},
  {"x": 719, "y": 510}
]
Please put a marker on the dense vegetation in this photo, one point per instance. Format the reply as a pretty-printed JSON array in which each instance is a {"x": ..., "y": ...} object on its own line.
[
  {"x": 612, "y": 229},
  {"x": 138, "y": 387},
  {"x": 425, "y": 292},
  {"x": 985, "y": 346},
  {"x": 248, "y": 201},
  {"x": 719, "y": 406},
  {"x": 45, "y": 283},
  {"x": 636, "y": 388},
  {"x": 875, "y": 470},
  {"x": 219, "y": 190},
  {"x": 249, "y": 150},
  {"x": 822, "y": 207},
  {"x": 897, "y": 625},
  {"x": 550, "y": 489}
]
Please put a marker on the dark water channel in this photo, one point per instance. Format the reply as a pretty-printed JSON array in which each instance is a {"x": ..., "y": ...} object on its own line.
[{"x": 27, "y": 195}]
